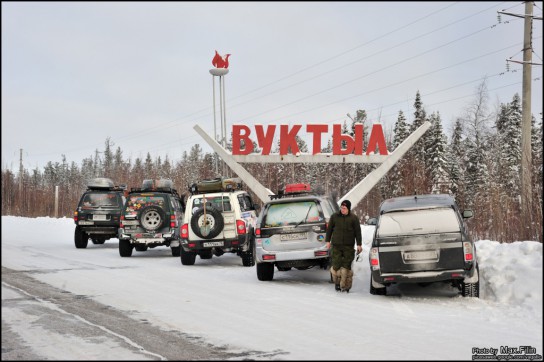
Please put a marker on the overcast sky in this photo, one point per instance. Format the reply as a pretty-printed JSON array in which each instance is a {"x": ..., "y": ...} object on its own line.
[{"x": 76, "y": 73}]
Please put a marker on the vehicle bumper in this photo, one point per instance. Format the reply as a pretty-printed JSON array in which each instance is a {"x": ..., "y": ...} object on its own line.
[
  {"x": 421, "y": 276},
  {"x": 101, "y": 230},
  {"x": 225, "y": 244},
  {"x": 309, "y": 254},
  {"x": 168, "y": 239}
]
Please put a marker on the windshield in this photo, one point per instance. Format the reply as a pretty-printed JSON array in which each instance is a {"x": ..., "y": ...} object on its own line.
[
  {"x": 100, "y": 199},
  {"x": 414, "y": 222},
  {"x": 292, "y": 213}
]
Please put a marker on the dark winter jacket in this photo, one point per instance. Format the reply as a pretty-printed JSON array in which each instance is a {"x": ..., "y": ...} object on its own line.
[{"x": 344, "y": 229}]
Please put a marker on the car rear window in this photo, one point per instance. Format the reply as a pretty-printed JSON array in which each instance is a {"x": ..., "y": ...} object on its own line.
[
  {"x": 292, "y": 213},
  {"x": 137, "y": 202},
  {"x": 100, "y": 199},
  {"x": 214, "y": 201},
  {"x": 414, "y": 222}
]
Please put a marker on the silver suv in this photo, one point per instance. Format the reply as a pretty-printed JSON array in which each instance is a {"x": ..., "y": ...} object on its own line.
[
  {"x": 219, "y": 219},
  {"x": 290, "y": 231},
  {"x": 423, "y": 239}
]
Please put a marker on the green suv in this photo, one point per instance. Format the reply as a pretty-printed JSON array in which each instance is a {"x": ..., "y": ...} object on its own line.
[{"x": 151, "y": 217}]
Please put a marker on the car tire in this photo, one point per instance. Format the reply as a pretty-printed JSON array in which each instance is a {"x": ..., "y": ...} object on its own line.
[
  {"x": 213, "y": 218},
  {"x": 125, "y": 248},
  {"x": 471, "y": 289},
  {"x": 375, "y": 289},
  {"x": 248, "y": 256},
  {"x": 265, "y": 271},
  {"x": 188, "y": 257},
  {"x": 152, "y": 217},
  {"x": 98, "y": 241},
  {"x": 205, "y": 254},
  {"x": 176, "y": 250},
  {"x": 81, "y": 238}
]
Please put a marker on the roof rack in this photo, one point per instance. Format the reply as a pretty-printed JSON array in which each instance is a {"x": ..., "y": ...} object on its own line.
[
  {"x": 293, "y": 190},
  {"x": 218, "y": 184},
  {"x": 162, "y": 185}
]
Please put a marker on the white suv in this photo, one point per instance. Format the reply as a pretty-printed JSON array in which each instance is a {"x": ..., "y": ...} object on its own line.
[{"x": 219, "y": 219}]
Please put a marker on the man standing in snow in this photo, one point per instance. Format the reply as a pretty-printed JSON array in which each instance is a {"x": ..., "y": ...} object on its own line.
[{"x": 343, "y": 232}]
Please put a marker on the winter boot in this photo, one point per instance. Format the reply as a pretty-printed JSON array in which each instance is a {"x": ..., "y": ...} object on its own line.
[
  {"x": 346, "y": 279},
  {"x": 335, "y": 275}
]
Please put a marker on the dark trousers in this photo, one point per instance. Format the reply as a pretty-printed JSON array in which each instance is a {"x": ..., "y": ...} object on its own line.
[{"x": 342, "y": 256}]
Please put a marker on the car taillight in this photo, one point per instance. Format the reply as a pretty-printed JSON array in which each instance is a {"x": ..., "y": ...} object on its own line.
[
  {"x": 269, "y": 257},
  {"x": 467, "y": 250},
  {"x": 121, "y": 221},
  {"x": 185, "y": 231},
  {"x": 173, "y": 221},
  {"x": 75, "y": 216},
  {"x": 241, "y": 227},
  {"x": 321, "y": 253},
  {"x": 258, "y": 232},
  {"x": 374, "y": 260}
]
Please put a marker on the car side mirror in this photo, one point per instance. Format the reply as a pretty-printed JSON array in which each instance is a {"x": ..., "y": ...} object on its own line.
[
  {"x": 372, "y": 221},
  {"x": 467, "y": 214}
]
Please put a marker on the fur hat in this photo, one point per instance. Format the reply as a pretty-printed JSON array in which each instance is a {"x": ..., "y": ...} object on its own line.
[{"x": 347, "y": 203}]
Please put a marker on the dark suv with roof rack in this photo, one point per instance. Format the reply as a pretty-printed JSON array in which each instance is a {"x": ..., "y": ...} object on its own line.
[
  {"x": 290, "y": 231},
  {"x": 98, "y": 212},
  {"x": 151, "y": 217}
]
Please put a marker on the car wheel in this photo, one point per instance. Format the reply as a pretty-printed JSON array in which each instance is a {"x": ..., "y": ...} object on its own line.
[
  {"x": 207, "y": 226},
  {"x": 81, "y": 239},
  {"x": 248, "y": 257},
  {"x": 205, "y": 254},
  {"x": 125, "y": 248},
  {"x": 152, "y": 217},
  {"x": 176, "y": 250},
  {"x": 265, "y": 271},
  {"x": 188, "y": 257},
  {"x": 98, "y": 240},
  {"x": 472, "y": 289},
  {"x": 377, "y": 288}
]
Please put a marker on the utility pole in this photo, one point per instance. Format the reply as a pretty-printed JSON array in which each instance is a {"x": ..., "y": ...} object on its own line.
[
  {"x": 526, "y": 157},
  {"x": 21, "y": 180}
]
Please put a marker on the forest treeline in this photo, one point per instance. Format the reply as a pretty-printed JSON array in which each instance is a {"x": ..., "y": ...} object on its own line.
[{"x": 480, "y": 165}]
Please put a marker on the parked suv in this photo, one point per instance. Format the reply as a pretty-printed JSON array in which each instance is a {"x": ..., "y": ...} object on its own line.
[
  {"x": 219, "y": 219},
  {"x": 98, "y": 211},
  {"x": 151, "y": 217},
  {"x": 423, "y": 239},
  {"x": 290, "y": 231}
]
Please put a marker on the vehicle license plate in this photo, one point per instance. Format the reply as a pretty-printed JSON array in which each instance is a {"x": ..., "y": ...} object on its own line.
[
  {"x": 130, "y": 222},
  {"x": 420, "y": 255},
  {"x": 213, "y": 243},
  {"x": 100, "y": 217},
  {"x": 81, "y": 222},
  {"x": 297, "y": 236}
]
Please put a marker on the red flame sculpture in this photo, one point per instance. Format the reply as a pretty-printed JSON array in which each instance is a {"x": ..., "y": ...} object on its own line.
[{"x": 220, "y": 62}]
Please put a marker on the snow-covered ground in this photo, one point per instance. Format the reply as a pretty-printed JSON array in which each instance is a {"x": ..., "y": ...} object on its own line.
[{"x": 298, "y": 315}]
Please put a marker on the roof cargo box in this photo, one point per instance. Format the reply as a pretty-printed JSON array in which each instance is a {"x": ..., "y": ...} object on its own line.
[
  {"x": 301, "y": 187},
  {"x": 101, "y": 183}
]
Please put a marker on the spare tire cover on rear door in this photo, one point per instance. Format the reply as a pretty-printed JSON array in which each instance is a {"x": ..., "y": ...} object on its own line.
[{"x": 207, "y": 227}]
